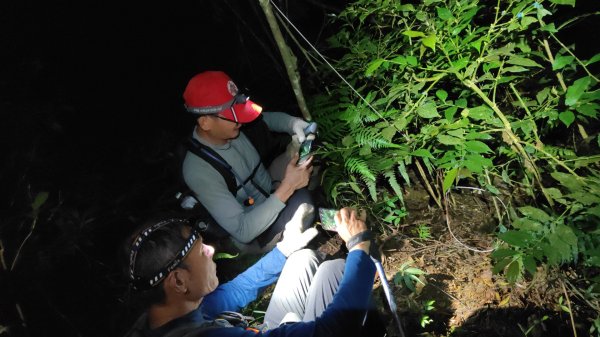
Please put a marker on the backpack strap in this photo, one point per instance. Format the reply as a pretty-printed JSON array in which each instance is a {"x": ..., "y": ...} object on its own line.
[
  {"x": 223, "y": 167},
  {"x": 216, "y": 161}
]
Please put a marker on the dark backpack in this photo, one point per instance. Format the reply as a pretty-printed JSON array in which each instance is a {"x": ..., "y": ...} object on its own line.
[{"x": 227, "y": 319}]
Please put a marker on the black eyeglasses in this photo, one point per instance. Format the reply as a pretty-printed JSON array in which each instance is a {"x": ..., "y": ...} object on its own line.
[
  {"x": 225, "y": 119},
  {"x": 143, "y": 283}
]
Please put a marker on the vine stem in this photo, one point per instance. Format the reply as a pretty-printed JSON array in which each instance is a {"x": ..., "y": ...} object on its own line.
[
  {"x": 515, "y": 140},
  {"x": 2, "y": 261},
  {"x": 576, "y": 58},
  {"x": 551, "y": 59},
  {"x": 537, "y": 137},
  {"x": 570, "y": 310},
  {"x": 23, "y": 244},
  {"x": 427, "y": 185}
]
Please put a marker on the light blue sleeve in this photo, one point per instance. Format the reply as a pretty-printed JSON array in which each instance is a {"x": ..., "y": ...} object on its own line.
[
  {"x": 245, "y": 288},
  {"x": 279, "y": 121}
]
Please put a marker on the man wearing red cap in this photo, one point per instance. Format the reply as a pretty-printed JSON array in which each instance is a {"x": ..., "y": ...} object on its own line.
[{"x": 254, "y": 214}]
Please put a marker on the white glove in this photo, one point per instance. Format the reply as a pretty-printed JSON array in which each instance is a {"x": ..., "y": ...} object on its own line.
[
  {"x": 298, "y": 126},
  {"x": 294, "y": 237}
]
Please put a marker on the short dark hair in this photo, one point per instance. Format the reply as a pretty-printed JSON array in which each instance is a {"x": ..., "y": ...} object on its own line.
[{"x": 157, "y": 249}]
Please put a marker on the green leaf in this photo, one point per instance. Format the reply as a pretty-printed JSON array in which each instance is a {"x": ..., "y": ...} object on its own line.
[
  {"x": 566, "y": 234},
  {"x": 429, "y": 41},
  {"x": 374, "y": 65},
  {"x": 500, "y": 265},
  {"x": 407, "y": 8},
  {"x": 444, "y": 13},
  {"x": 219, "y": 256},
  {"x": 528, "y": 225},
  {"x": 594, "y": 59},
  {"x": 39, "y": 200},
  {"x": 577, "y": 89},
  {"x": 564, "y": 2},
  {"x": 449, "y": 179},
  {"x": 526, "y": 21},
  {"x": 535, "y": 214},
  {"x": 442, "y": 95},
  {"x": 428, "y": 110},
  {"x": 482, "y": 112},
  {"x": 529, "y": 264},
  {"x": 461, "y": 103},
  {"x": 476, "y": 162},
  {"x": 449, "y": 140},
  {"x": 513, "y": 272},
  {"x": 522, "y": 61},
  {"x": 567, "y": 180},
  {"x": 515, "y": 69},
  {"x": 502, "y": 253},
  {"x": 388, "y": 133},
  {"x": 414, "y": 271},
  {"x": 477, "y": 146},
  {"x": 401, "y": 60},
  {"x": 477, "y": 44},
  {"x": 516, "y": 238},
  {"x": 412, "y": 60},
  {"x": 550, "y": 28},
  {"x": 589, "y": 109},
  {"x": 459, "y": 64},
  {"x": 348, "y": 140},
  {"x": 413, "y": 33},
  {"x": 423, "y": 153},
  {"x": 391, "y": 175},
  {"x": 449, "y": 113},
  {"x": 561, "y": 250},
  {"x": 561, "y": 61},
  {"x": 567, "y": 117},
  {"x": 404, "y": 172}
]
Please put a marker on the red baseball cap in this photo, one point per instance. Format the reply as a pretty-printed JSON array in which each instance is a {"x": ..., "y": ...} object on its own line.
[{"x": 213, "y": 92}]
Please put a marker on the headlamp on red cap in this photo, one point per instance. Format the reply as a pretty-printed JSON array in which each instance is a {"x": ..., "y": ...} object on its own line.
[{"x": 214, "y": 93}]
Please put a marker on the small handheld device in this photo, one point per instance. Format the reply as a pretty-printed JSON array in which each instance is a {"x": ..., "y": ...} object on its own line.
[
  {"x": 306, "y": 146},
  {"x": 327, "y": 217},
  {"x": 305, "y": 151}
]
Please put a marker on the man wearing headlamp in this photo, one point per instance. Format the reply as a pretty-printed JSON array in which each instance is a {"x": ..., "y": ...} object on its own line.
[
  {"x": 174, "y": 276},
  {"x": 255, "y": 213}
]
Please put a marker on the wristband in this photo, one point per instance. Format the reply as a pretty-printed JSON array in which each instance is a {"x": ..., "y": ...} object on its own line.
[{"x": 358, "y": 238}]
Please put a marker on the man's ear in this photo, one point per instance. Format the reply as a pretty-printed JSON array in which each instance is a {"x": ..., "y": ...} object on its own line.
[
  {"x": 204, "y": 122},
  {"x": 176, "y": 281}
]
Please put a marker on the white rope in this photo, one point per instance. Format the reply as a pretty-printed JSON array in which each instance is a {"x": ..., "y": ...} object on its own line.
[{"x": 325, "y": 60}]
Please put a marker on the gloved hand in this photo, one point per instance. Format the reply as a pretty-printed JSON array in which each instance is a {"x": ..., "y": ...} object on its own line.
[
  {"x": 298, "y": 126},
  {"x": 294, "y": 237}
]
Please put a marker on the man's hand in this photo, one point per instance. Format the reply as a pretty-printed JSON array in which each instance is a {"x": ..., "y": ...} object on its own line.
[
  {"x": 295, "y": 177},
  {"x": 349, "y": 223},
  {"x": 294, "y": 238},
  {"x": 298, "y": 126}
]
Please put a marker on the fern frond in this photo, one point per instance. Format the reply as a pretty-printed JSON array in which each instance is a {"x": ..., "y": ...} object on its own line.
[
  {"x": 372, "y": 137},
  {"x": 372, "y": 186},
  {"x": 360, "y": 167},
  {"x": 391, "y": 177}
]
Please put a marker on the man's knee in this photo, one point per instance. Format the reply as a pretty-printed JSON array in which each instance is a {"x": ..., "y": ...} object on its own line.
[
  {"x": 303, "y": 257},
  {"x": 332, "y": 269}
]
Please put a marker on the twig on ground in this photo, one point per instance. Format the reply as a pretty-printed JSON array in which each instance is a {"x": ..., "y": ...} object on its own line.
[{"x": 562, "y": 284}]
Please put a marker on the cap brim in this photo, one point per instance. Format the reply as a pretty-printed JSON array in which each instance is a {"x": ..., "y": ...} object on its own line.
[{"x": 246, "y": 112}]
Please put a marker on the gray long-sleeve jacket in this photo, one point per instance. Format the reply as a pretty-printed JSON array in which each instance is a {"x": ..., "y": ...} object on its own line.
[{"x": 244, "y": 223}]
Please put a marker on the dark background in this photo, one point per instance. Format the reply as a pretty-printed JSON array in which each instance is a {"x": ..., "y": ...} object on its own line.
[{"x": 91, "y": 111}]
